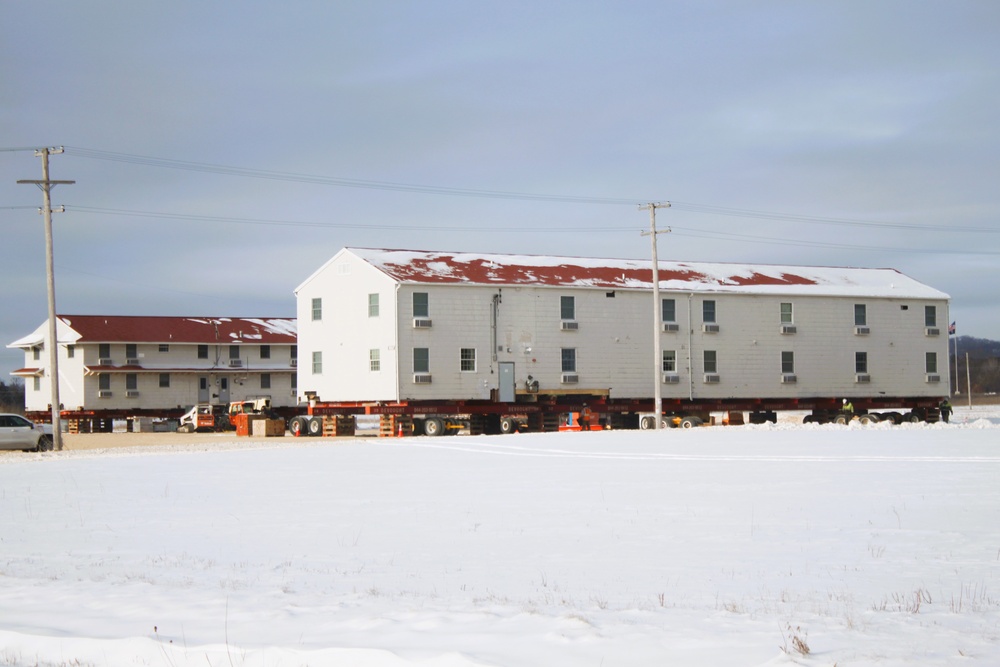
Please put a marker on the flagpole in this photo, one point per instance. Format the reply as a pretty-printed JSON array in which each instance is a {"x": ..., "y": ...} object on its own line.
[{"x": 956, "y": 391}]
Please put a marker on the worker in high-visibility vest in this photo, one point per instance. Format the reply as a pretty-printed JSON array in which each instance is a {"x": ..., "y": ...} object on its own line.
[{"x": 585, "y": 418}]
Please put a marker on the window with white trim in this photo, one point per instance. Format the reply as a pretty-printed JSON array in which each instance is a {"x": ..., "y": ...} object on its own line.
[
  {"x": 374, "y": 360},
  {"x": 421, "y": 304},
  {"x": 421, "y": 360},
  {"x": 710, "y": 361},
  {"x": 669, "y": 361},
  {"x": 467, "y": 360}
]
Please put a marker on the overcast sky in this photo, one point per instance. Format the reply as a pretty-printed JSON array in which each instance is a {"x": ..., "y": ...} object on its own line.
[{"x": 223, "y": 151}]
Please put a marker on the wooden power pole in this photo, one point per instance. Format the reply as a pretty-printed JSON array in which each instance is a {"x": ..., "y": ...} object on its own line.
[
  {"x": 657, "y": 312},
  {"x": 46, "y": 186}
]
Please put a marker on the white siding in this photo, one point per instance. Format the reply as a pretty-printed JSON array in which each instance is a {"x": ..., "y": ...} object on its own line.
[{"x": 346, "y": 333}]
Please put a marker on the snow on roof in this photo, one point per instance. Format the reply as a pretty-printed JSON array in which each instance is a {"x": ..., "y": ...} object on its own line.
[
  {"x": 156, "y": 329},
  {"x": 412, "y": 266}
]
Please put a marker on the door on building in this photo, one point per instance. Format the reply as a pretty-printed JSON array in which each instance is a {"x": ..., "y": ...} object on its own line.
[
  {"x": 506, "y": 381},
  {"x": 203, "y": 390},
  {"x": 224, "y": 391}
]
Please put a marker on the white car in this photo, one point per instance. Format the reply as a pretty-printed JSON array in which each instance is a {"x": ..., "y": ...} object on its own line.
[{"x": 16, "y": 432}]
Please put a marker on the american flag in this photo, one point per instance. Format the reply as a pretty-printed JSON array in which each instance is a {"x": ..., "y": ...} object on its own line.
[{"x": 951, "y": 329}]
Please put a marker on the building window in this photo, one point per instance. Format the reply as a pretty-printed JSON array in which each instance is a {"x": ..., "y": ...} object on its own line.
[
  {"x": 131, "y": 351},
  {"x": 374, "y": 360},
  {"x": 786, "y": 313},
  {"x": 788, "y": 363},
  {"x": 710, "y": 361},
  {"x": 164, "y": 347},
  {"x": 131, "y": 381},
  {"x": 421, "y": 307},
  {"x": 36, "y": 383},
  {"x": 930, "y": 316},
  {"x": 103, "y": 381},
  {"x": 421, "y": 360},
  {"x": 373, "y": 305},
  {"x": 669, "y": 361},
  {"x": 203, "y": 351},
  {"x": 860, "y": 362},
  {"x": 70, "y": 351},
  {"x": 103, "y": 350},
  {"x": 36, "y": 353},
  {"x": 860, "y": 315},
  {"x": 567, "y": 307},
  {"x": 569, "y": 360},
  {"x": 265, "y": 380},
  {"x": 708, "y": 312},
  {"x": 317, "y": 310},
  {"x": 295, "y": 383},
  {"x": 468, "y": 359},
  {"x": 234, "y": 351},
  {"x": 668, "y": 310},
  {"x": 930, "y": 361},
  {"x": 265, "y": 351},
  {"x": 164, "y": 380},
  {"x": 317, "y": 363}
]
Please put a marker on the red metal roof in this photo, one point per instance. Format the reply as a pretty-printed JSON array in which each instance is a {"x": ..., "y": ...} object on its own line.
[
  {"x": 203, "y": 330},
  {"x": 432, "y": 267}
]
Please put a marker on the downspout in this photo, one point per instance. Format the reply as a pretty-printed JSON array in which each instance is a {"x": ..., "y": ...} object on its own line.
[
  {"x": 690, "y": 360},
  {"x": 395, "y": 344}
]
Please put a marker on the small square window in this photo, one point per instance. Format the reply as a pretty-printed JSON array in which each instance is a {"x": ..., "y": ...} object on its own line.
[{"x": 468, "y": 359}]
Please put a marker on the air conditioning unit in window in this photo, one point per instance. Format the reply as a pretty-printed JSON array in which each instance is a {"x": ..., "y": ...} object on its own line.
[
  {"x": 421, "y": 378},
  {"x": 104, "y": 393},
  {"x": 569, "y": 326},
  {"x": 671, "y": 378},
  {"x": 293, "y": 363},
  {"x": 131, "y": 362},
  {"x": 132, "y": 393},
  {"x": 710, "y": 328},
  {"x": 933, "y": 377},
  {"x": 862, "y": 378},
  {"x": 671, "y": 327},
  {"x": 106, "y": 362},
  {"x": 570, "y": 378},
  {"x": 788, "y": 378},
  {"x": 862, "y": 331},
  {"x": 788, "y": 328},
  {"x": 711, "y": 378},
  {"x": 236, "y": 363},
  {"x": 421, "y": 323},
  {"x": 932, "y": 331}
]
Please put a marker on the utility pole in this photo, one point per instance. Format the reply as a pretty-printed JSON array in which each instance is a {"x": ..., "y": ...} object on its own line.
[
  {"x": 657, "y": 312},
  {"x": 46, "y": 186}
]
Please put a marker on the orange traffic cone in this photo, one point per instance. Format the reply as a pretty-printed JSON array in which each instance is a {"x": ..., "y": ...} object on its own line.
[{"x": 400, "y": 433}]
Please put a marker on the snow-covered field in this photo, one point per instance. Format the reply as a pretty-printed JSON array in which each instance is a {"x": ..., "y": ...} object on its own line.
[{"x": 716, "y": 546}]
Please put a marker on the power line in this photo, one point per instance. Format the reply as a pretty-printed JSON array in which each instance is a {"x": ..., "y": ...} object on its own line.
[
  {"x": 688, "y": 232},
  {"x": 330, "y": 180}
]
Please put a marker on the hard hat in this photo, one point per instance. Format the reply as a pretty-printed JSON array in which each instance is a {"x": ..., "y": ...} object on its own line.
[{"x": 845, "y": 400}]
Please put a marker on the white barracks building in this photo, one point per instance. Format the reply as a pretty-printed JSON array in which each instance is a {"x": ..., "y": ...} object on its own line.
[
  {"x": 136, "y": 363},
  {"x": 397, "y": 325}
]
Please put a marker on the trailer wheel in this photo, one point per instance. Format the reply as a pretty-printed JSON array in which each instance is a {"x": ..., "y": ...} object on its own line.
[
  {"x": 297, "y": 427},
  {"x": 647, "y": 423},
  {"x": 315, "y": 426},
  {"x": 868, "y": 419},
  {"x": 508, "y": 425},
  {"x": 913, "y": 418},
  {"x": 690, "y": 422},
  {"x": 840, "y": 419},
  {"x": 433, "y": 426}
]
